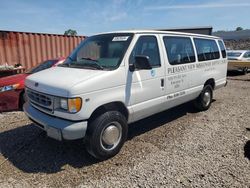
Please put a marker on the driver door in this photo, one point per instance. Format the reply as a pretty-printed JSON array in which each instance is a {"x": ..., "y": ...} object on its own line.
[{"x": 147, "y": 86}]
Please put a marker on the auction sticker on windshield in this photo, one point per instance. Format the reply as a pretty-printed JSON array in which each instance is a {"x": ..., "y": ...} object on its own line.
[{"x": 120, "y": 38}]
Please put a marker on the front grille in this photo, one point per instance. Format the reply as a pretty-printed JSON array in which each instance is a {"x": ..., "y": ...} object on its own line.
[{"x": 40, "y": 100}]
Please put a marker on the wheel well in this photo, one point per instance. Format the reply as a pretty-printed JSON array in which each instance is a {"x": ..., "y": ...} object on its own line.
[
  {"x": 20, "y": 100},
  {"x": 210, "y": 82},
  {"x": 114, "y": 106}
]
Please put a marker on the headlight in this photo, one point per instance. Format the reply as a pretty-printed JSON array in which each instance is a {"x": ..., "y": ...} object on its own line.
[
  {"x": 64, "y": 104},
  {"x": 9, "y": 87},
  {"x": 72, "y": 105}
]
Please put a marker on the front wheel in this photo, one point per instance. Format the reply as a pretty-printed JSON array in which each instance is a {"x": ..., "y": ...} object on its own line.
[
  {"x": 203, "y": 102},
  {"x": 106, "y": 135}
]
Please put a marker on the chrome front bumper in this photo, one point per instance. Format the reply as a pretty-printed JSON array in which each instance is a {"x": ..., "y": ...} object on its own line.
[{"x": 56, "y": 128}]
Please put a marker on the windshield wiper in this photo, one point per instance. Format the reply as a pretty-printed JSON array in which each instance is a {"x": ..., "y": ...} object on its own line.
[
  {"x": 64, "y": 65},
  {"x": 82, "y": 65},
  {"x": 93, "y": 64},
  {"x": 88, "y": 58}
]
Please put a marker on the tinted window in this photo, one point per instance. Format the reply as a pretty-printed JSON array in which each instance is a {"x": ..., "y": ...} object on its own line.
[
  {"x": 222, "y": 49},
  {"x": 148, "y": 46},
  {"x": 247, "y": 55},
  {"x": 179, "y": 50},
  {"x": 234, "y": 54},
  {"x": 42, "y": 66},
  {"x": 206, "y": 49}
]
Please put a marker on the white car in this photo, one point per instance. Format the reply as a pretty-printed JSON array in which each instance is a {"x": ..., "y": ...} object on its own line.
[
  {"x": 238, "y": 55},
  {"x": 241, "y": 55},
  {"x": 113, "y": 79}
]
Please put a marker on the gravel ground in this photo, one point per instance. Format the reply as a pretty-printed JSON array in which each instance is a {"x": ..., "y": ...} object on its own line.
[{"x": 176, "y": 148}]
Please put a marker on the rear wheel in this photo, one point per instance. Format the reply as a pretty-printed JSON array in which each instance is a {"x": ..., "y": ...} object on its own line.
[
  {"x": 244, "y": 70},
  {"x": 203, "y": 102},
  {"x": 106, "y": 135}
]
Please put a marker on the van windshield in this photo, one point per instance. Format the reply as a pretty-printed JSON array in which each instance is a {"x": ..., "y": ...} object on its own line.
[{"x": 101, "y": 52}]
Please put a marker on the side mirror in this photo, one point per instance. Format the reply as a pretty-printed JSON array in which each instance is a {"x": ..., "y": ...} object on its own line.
[{"x": 141, "y": 63}]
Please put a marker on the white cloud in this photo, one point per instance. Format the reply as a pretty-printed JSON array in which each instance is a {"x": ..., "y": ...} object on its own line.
[
  {"x": 117, "y": 17},
  {"x": 199, "y": 6}
]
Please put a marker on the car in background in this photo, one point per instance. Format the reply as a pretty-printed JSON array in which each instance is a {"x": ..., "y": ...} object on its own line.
[
  {"x": 238, "y": 55},
  {"x": 12, "y": 87}
]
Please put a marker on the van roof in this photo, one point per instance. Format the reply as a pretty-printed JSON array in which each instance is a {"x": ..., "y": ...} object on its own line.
[{"x": 160, "y": 32}]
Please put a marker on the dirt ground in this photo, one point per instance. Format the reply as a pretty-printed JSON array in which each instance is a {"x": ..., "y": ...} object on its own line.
[{"x": 176, "y": 148}]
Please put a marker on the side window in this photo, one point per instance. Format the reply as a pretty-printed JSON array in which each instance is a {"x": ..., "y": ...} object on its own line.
[
  {"x": 148, "y": 46},
  {"x": 222, "y": 49},
  {"x": 207, "y": 49},
  {"x": 179, "y": 50},
  {"x": 246, "y": 55}
]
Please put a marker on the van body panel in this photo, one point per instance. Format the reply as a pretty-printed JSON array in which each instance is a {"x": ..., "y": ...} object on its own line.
[
  {"x": 59, "y": 80},
  {"x": 141, "y": 83}
]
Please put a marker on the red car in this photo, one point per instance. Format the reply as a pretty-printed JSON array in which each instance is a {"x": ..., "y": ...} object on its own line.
[{"x": 12, "y": 87}]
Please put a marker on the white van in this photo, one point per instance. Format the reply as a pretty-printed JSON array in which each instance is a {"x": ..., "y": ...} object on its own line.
[{"x": 116, "y": 78}]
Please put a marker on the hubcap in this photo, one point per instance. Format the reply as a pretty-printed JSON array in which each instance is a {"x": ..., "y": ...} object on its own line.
[
  {"x": 111, "y": 136},
  {"x": 207, "y": 98}
]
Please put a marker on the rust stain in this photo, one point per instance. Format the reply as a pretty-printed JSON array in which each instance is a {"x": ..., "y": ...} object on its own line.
[{"x": 30, "y": 49}]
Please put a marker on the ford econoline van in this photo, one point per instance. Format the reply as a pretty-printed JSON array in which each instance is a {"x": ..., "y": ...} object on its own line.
[{"x": 113, "y": 79}]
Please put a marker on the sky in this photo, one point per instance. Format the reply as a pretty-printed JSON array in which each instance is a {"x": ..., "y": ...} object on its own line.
[{"x": 89, "y": 17}]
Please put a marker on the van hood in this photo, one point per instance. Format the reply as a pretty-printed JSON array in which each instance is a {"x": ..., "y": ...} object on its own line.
[{"x": 59, "y": 80}]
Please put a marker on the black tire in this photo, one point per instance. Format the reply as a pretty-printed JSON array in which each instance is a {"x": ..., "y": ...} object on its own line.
[
  {"x": 244, "y": 70},
  {"x": 22, "y": 100},
  {"x": 203, "y": 102},
  {"x": 103, "y": 126}
]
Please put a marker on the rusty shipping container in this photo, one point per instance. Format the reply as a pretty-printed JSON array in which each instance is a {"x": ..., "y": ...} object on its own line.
[{"x": 29, "y": 49}]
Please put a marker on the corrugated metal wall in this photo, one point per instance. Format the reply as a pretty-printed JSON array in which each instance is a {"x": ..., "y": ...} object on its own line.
[{"x": 30, "y": 49}]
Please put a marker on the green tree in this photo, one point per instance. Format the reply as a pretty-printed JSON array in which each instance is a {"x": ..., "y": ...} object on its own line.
[
  {"x": 239, "y": 29},
  {"x": 70, "y": 32}
]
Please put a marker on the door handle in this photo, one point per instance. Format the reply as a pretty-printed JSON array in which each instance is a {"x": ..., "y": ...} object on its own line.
[{"x": 162, "y": 82}]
